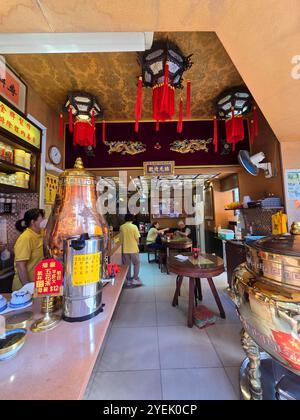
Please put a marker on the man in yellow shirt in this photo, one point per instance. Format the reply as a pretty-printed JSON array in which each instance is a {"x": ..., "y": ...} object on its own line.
[
  {"x": 28, "y": 248},
  {"x": 130, "y": 235}
]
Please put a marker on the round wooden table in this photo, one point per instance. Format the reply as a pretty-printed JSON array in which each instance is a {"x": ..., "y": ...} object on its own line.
[
  {"x": 207, "y": 266},
  {"x": 180, "y": 244}
]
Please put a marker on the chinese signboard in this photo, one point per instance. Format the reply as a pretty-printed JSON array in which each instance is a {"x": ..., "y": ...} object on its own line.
[
  {"x": 16, "y": 124},
  {"x": 48, "y": 278},
  {"x": 159, "y": 168},
  {"x": 86, "y": 269},
  {"x": 12, "y": 87}
]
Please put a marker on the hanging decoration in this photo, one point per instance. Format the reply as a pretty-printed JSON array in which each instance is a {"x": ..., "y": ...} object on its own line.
[
  {"x": 162, "y": 70},
  {"x": 157, "y": 146},
  {"x": 232, "y": 105},
  {"x": 190, "y": 146},
  {"x": 85, "y": 108},
  {"x": 126, "y": 147}
]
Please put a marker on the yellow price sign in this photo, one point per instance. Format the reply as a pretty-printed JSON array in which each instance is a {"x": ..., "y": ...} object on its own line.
[{"x": 86, "y": 269}]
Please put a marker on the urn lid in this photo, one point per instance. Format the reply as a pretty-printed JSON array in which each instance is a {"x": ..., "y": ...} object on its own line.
[
  {"x": 77, "y": 171},
  {"x": 280, "y": 244}
]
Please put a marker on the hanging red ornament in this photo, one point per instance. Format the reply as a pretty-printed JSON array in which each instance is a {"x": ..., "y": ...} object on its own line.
[
  {"x": 255, "y": 121},
  {"x": 215, "y": 139},
  {"x": 163, "y": 98},
  {"x": 61, "y": 126},
  {"x": 138, "y": 104},
  {"x": 179, "y": 124},
  {"x": 188, "y": 99},
  {"x": 234, "y": 130},
  {"x": 157, "y": 126},
  {"x": 70, "y": 120},
  {"x": 252, "y": 131},
  {"x": 157, "y": 146},
  {"x": 103, "y": 131}
]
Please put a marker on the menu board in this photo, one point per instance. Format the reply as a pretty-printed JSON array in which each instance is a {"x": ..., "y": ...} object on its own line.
[{"x": 16, "y": 124}]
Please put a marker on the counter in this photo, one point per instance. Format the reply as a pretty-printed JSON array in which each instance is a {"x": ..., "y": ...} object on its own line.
[{"x": 58, "y": 364}]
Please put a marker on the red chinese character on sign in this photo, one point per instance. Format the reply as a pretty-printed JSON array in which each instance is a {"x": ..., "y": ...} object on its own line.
[
  {"x": 48, "y": 277},
  {"x": 33, "y": 140},
  {"x": 2, "y": 120},
  {"x": 28, "y": 126},
  {"x": 28, "y": 137},
  {"x": 9, "y": 124},
  {"x": 16, "y": 129},
  {"x": 21, "y": 121},
  {"x": 23, "y": 133},
  {"x": 12, "y": 115},
  {"x": 2, "y": 109}
]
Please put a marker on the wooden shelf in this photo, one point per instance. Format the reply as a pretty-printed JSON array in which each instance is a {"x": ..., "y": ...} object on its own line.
[
  {"x": 10, "y": 167},
  {"x": 12, "y": 188}
]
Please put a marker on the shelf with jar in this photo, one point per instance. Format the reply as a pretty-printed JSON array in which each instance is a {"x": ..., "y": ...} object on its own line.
[{"x": 20, "y": 151}]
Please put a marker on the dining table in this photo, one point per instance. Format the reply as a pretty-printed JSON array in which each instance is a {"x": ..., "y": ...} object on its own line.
[
  {"x": 177, "y": 244},
  {"x": 205, "y": 266}
]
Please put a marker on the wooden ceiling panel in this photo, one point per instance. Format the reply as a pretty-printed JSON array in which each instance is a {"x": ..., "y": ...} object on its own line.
[{"x": 112, "y": 76}]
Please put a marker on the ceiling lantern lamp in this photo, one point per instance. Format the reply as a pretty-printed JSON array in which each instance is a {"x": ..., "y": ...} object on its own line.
[
  {"x": 232, "y": 105},
  {"x": 162, "y": 70},
  {"x": 84, "y": 107}
]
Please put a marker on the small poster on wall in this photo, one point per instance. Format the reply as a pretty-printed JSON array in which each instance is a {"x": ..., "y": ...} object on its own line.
[
  {"x": 293, "y": 184},
  {"x": 12, "y": 88}
]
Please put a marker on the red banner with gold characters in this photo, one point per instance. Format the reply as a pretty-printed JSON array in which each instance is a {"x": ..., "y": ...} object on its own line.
[
  {"x": 11, "y": 121},
  {"x": 48, "y": 278}
]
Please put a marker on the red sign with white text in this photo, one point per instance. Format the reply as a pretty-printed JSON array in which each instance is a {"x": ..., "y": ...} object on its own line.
[{"x": 48, "y": 278}]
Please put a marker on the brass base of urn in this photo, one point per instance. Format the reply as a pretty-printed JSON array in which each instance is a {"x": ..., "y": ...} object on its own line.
[{"x": 49, "y": 321}]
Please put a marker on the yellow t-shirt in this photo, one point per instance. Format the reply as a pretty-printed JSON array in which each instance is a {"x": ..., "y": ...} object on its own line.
[
  {"x": 129, "y": 235},
  {"x": 29, "y": 247},
  {"x": 152, "y": 235}
]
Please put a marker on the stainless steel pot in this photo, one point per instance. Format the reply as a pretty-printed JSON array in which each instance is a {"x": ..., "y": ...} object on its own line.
[{"x": 83, "y": 260}]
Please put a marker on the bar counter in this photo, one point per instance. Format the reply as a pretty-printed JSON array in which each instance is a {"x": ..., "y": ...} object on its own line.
[{"x": 58, "y": 364}]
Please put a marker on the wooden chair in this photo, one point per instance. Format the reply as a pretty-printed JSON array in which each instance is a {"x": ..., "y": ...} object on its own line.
[{"x": 151, "y": 251}]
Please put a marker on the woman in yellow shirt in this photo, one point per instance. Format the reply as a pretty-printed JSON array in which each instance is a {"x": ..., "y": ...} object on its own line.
[{"x": 29, "y": 247}]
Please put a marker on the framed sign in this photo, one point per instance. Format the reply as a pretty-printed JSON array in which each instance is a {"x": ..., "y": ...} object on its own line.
[
  {"x": 51, "y": 187},
  {"x": 12, "y": 88},
  {"x": 164, "y": 168},
  {"x": 209, "y": 209}
]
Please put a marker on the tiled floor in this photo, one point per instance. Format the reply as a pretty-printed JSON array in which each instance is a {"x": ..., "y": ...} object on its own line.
[{"x": 151, "y": 354}]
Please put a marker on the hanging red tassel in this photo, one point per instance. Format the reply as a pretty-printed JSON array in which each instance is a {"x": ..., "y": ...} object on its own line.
[
  {"x": 179, "y": 124},
  {"x": 61, "y": 126},
  {"x": 103, "y": 132},
  {"x": 255, "y": 121},
  {"x": 138, "y": 104},
  {"x": 188, "y": 99},
  {"x": 252, "y": 132},
  {"x": 157, "y": 126},
  {"x": 93, "y": 118},
  {"x": 215, "y": 140},
  {"x": 70, "y": 119}
]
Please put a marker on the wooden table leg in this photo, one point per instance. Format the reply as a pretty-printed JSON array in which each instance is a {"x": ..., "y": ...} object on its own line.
[
  {"x": 191, "y": 302},
  {"x": 177, "y": 291},
  {"x": 217, "y": 298},
  {"x": 199, "y": 289}
]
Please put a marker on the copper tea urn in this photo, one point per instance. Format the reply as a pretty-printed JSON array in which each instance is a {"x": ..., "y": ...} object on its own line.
[{"x": 266, "y": 291}]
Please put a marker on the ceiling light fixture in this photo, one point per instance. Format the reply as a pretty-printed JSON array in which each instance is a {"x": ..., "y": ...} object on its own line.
[{"x": 51, "y": 43}]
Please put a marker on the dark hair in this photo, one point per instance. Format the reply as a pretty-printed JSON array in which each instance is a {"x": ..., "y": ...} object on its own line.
[
  {"x": 29, "y": 216},
  {"x": 154, "y": 223},
  {"x": 129, "y": 217}
]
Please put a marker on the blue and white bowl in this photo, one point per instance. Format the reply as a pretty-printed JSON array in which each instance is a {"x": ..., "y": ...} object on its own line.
[
  {"x": 3, "y": 304},
  {"x": 20, "y": 299}
]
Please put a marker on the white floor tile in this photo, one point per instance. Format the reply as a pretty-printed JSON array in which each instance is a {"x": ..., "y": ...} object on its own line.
[
  {"x": 183, "y": 347},
  {"x": 226, "y": 341},
  {"x": 134, "y": 385},
  {"x": 138, "y": 295},
  {"x": 135, "y": 315},
  {"x": 234, "y": 375},
  {"x": 197, "y": 384},
  {"x": 130, "y": 349},
  {"x": 170, "y": 315}
]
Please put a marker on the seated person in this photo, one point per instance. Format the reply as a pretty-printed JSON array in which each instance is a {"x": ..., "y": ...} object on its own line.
[
  {"x": 153, "y": 238},
  {"x": 182, "y": 231}
]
